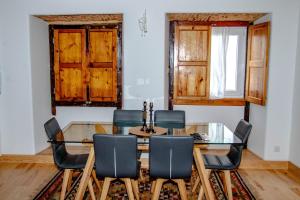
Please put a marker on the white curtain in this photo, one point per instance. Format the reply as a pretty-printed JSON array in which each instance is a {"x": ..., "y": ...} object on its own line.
[
  {"x": 219, "y": 45},
  {"x": 219, "y": 48}
]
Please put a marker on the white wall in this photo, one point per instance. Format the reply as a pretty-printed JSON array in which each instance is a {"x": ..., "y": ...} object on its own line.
[
  {"x": 40, "y": 79},
  {"x": 1, "y": 85},
  {"x": 295, "y": 135},
  {"x": 144, "y": 66}
]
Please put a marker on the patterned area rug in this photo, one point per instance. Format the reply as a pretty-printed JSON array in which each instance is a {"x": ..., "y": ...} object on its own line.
[{"x": 169, "y": 191}]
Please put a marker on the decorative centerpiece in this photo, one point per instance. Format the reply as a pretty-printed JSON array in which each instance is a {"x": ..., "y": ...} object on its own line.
[
  {"x": 151, "y": 129},
  {"x": 144, "y": 127}
]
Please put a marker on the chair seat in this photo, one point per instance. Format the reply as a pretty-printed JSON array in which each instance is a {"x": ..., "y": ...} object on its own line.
[
  {"x": 217, "y": 162},
  {"x": 74, "y": 161}
]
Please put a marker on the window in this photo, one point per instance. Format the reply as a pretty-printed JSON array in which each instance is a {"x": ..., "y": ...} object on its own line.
[{"x": 228, "y": 56}]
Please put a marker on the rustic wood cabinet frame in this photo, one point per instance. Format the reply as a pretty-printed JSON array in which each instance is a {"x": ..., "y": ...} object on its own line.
[{"x": 88, "y": 103}]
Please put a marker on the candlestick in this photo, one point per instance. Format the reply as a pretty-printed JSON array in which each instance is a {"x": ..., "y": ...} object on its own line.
[{"x": 144, "y": 128}]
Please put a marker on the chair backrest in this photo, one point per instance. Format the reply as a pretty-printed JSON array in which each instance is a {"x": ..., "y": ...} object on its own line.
[
  {"x": 171, "y": 157},
  {"x": 169, "y": 118},
  {"x": 116, "y": 156},
  {"x": 242, "y": 131},
  {"x": 128, "y": 118},
  {"x": 53, "y": 131}
]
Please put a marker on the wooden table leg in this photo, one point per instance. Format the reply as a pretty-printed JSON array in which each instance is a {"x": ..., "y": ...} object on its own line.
[
  {"x": 86, "y": 175},
  {"x": 209, "y": 194}
]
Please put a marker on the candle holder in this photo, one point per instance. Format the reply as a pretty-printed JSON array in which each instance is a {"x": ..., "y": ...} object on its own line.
[
  {"x": 144, "y": 127},
  {"x": 151, "y": 129}
]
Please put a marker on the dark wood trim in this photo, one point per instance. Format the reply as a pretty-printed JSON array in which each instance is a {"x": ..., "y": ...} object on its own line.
[
  {"x": 230, "y": 23},
  {"x": 119, "y": 102},
  {"x": 215, "y": 23},
  {"x": 212, "y": 102},
  {"x": 171, "y": 63}
]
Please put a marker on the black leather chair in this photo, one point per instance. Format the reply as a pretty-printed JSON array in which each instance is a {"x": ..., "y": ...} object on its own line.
[
  {"x": 62, "y": 159},
  {"x": 115, "y": 158},
  {"x": 128, "y": 118},
  {"x": 169, "y": 118},
  {"x": 230, "y": 161},
  {"x": 170, "y": 158}
]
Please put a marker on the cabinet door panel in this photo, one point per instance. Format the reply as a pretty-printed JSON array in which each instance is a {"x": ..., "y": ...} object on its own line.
[
  {"x": 71, "y": 84},
  {"x": 70, "y": 64},
  {"x": 257, "y": 63},
  {"x": 102, "y": 65},
  {"x": 101, "y": 82},
  {"x": 101, "y": 46}
]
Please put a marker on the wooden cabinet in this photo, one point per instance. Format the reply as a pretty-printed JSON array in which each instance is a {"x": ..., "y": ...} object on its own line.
[
  {"x": 86, "y": 65},
  {"x": 257, "y": 63},
  {"x": 191, "y": 63}
]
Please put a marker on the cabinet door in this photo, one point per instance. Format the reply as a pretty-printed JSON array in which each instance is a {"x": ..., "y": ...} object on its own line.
[
  {"x": 257, "y": 63},
  {"x": 103, "y": 65},
  {"x": 70, "y": 65},
  {"x": 191, "y": 63}
]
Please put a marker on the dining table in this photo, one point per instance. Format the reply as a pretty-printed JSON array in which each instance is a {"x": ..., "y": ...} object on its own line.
[{"x": 208, "y": 133}]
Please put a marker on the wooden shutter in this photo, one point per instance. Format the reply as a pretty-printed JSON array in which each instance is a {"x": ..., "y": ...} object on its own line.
[
  {"x": 103, "y": 65},
  {"x": 257, "y": 63},
  {"x": 70, "y": 64},
  {"x": 191, "y": 63}
]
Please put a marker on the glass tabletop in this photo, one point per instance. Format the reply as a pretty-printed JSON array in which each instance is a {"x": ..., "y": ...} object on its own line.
[{"x": 203, "y": 133}]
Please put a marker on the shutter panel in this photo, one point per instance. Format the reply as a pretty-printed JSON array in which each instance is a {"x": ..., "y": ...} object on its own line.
[
  {"x": 191, "y": 63},
  {"x": 70, "y": 65},
  {"x": 103, "y": 65},
  {"x": 257, "y": 63}
]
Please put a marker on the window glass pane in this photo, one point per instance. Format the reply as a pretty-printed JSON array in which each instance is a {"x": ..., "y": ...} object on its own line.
[{"x": 231, "y": 64}]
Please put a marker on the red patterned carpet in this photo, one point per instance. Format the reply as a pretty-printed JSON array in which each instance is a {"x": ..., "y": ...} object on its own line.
[{"x": 169, "y": 191}]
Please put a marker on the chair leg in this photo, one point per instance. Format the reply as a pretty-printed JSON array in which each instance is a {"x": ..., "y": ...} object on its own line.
[
  {"x": 105, "y": 188},
  {"x": 196, "y": 184},
  {"x": 152, "y": 186},
  {"x": 201, "y": 192},
  {"x": 158, "y": 185},
  {"x": 96, "y": 180},
  {"x": 65, "y": 183},
  {"x": 135, "y": 188},
  {"x": 182, "y": 188},
  {"x": 70, "y": 180},
  {"x": 91, "y": 189},
  {"x": 129, "y": 188},
  {"x": 228, "y": 184}
]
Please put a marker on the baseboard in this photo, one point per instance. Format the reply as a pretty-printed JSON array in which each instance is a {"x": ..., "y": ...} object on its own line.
[{"x": 43, "y": 159}]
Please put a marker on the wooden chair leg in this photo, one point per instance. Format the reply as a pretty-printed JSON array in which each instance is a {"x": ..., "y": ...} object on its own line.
[
  {"x": 201, "y": 192},
  {"x": 96, "y": 180},
  {"x": 91, "y": 190},
  {"x": 158, "y": 185},
  {"x": 152, "y": 186},
  {"x": 65, "y": 183},
  {"x": 135, "y": 188},
  {"x": 105, "y": 188},
  {"x": 70, "y": 180},
  {"x": 129, "y": 188},
  {"x": 196, "y": 184},
  {"x": 182, "y": 188},
  {"x": 141, "y": 175},
  {"x": 228, "y": 184}
]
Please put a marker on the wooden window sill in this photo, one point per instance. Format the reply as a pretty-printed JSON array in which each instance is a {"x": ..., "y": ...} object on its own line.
[{"x": 211, "y": 102}]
